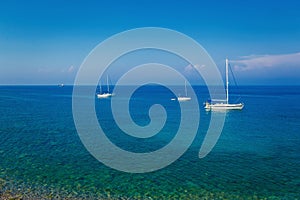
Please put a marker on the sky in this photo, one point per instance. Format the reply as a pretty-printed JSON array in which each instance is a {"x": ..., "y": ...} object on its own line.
[{"x": 45, "y": 42}]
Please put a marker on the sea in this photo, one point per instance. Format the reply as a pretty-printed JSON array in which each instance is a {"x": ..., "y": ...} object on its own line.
[{"x": 257, "y": 155}]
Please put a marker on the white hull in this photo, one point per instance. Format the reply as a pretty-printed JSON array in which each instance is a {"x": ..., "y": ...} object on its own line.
[
  {"x": 224, "y": 106},
  {"x": 184, "y": 98},
  {"x": 105, "y": 95}
]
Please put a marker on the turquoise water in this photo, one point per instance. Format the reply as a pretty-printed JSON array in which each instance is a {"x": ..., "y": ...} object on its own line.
[{"x": 257, "y": 155}]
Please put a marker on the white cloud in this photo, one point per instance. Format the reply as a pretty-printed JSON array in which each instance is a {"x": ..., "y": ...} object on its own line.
[
  {"x": 71, "y": 69},
  {"x": 189, "y": 69},
  {"x": 68, "y": 69},
  {"x": 255, "y": 62}
]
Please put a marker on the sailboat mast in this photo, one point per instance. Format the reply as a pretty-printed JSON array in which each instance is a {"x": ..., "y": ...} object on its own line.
[
  {"x": 100, "y": 87},
  {"x": 107, "y": 83},
  {"x": 227, "y": 82},
  {"x": 185, "y": 88}
]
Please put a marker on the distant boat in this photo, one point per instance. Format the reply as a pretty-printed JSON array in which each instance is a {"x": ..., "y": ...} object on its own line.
[
  {"x": 223, "y": 104},
  {"x": 183, "y": 98},
  {"x": 106, "y": 94},
  {"x": 61, "y": 85}
]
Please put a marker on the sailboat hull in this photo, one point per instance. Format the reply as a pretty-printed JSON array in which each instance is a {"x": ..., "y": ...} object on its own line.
[
  {"x": 105, "y": 95},
  {"x": 224, "y": 106},
  {"x": 184, "y": 98}
]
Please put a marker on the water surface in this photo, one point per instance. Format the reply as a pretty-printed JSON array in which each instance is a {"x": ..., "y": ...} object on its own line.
[{"x": 257, "y": 155}]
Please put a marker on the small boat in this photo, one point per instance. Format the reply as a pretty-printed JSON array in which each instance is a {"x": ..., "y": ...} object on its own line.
[
  {"x": 223, "y": 104},
  {"x": 183, "y": 98},
  {"x": 61, "y": 85},
  {"x": 106, "y": 94}
]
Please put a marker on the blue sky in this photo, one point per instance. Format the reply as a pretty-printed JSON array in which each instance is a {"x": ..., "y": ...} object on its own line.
[{"x": 44, "y": 42}]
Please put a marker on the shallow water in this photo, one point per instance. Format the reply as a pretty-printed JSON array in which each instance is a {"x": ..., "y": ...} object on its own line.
[{"x": 257, "y": 155}]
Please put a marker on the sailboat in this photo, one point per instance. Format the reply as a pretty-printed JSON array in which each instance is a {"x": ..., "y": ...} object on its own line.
[
  {"x": 223, "y": 104},
  {"x": 183, "y": 98},
  {"x": 107, "y": 94}
]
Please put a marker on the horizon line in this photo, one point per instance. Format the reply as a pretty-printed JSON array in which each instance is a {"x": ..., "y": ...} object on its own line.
[{"x": 57, "y": 85}]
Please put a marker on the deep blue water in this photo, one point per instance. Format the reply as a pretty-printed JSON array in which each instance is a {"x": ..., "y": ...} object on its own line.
[{"x": 257, "y": 155}]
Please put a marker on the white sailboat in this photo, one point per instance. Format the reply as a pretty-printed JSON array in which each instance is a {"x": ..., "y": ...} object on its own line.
[
  {"x": 104, "y": 94},
  {"x": 183, "y": 98},
  {"x": 223, "y": 104}
]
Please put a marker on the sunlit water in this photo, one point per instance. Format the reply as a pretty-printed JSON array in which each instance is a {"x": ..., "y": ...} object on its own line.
[{"x": 257, "y": 155}]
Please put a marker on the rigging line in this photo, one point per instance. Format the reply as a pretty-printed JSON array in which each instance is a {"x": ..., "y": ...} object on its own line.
[
  {"x": 235, "y": 82},
  {"x": 110, "y": 83},
  {"x": 238, "y": 99},
  {"x": 233, "y": 75}
]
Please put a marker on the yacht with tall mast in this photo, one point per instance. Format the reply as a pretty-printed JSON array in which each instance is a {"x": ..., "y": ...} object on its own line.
[
  {"x": 106, "y": 94},
  {"x": 223, "y": 104},
  {"x": 183, "y": 98}
]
